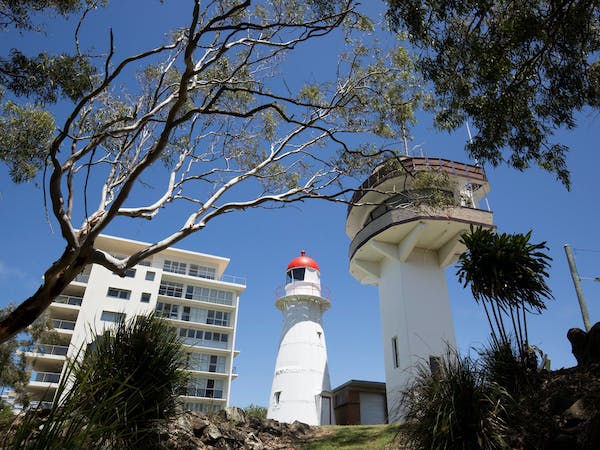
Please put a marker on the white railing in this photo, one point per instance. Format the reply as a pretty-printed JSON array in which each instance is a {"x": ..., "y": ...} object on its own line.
[
  {"x": 203, "y": 343},
  {"x": 45, "y": 377},
  {"x": 233, "y": 279},
  {"x": 63, "y": 324},
  {"x": 69, "y": 300}
]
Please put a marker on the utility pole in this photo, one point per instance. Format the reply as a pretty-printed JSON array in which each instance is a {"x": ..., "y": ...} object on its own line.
[{"x": 577, "y": 282}]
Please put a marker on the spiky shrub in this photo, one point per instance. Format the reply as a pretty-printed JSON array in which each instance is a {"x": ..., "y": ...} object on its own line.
[
  {"x": 503, "y": 364},
  {"x": 454, "y": 408},
  {"x": 136, "y": 363},
  {"x": 116, "y": 396}
]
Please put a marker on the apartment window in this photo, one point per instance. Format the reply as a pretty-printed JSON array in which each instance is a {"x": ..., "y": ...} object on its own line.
[
  {"x": 218, "y": 318},
  {"x": 167, "y": 310},
  {"x": 122, "y": 294},
  {"x": 395, "y": 358},
  {"x": 110, "y": 316},
  {"x": 171, "y": 289},
  {"x": 150, "y": 275},
  {"x": 130, "y": 273},
  {"x": 186, "y": 313},
  {"x": 175, "y": 267},
  {"x": 202, "y": 271},
  {"x": 145, "y": 297},
  {"x": 145, "y": 262}
]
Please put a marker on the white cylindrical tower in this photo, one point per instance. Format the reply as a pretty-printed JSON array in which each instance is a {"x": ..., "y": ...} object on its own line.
[
  {"x": 405, "y": 223},
  {"x": 301, "y": 384}
]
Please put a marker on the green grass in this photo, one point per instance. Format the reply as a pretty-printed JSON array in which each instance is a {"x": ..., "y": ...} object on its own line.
[{"x": 357, "y": 437}]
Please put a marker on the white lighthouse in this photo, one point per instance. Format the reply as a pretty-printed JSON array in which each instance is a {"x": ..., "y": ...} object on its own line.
[
  {"x": 402, "y": 243},
  {"x": 301, "y": 387}
]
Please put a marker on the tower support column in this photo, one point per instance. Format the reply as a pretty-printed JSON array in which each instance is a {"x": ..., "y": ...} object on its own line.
[{"x": 415, "y": 317}]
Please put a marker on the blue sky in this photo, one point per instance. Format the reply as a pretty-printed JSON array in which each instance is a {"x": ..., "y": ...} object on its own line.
[{"x": 261, "y": 242}]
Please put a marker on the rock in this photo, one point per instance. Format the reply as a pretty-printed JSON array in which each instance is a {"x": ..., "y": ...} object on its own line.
[
  {"x": 198, "y": 424},
  {"x": 299, "y": 428},
  {"x": 585, "y": 346},
  {"x": 212, "y": 433},
  {"x": 578, "y": 339},
  {"x": 233, "y": 415},
  {"x": 252, "y": 442},
  {"x": 575, "y": 414}
]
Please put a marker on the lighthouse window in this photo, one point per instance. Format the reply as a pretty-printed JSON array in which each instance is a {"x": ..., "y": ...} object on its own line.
[
  {"x": 295, "y": 274},
  {"x": 276, "y": 397}
]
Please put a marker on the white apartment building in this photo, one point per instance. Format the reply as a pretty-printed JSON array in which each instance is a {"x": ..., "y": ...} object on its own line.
[{"x": 186, "y": 288}]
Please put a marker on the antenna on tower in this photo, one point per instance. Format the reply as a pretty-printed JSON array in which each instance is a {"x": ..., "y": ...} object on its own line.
[
  {"x": 405, "y": 140},
  {"x": 469, "y": 132}
]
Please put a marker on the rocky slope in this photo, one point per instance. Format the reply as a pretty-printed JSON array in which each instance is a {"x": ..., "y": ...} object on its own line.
[{"x": 231, "y": 429}]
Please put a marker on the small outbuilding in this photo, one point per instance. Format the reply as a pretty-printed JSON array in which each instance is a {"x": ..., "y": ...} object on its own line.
[{"x": 359, "y": 402}]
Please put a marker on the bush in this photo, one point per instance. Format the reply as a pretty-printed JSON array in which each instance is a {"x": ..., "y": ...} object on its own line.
[
  {"x": 517, "y": 373},
  {"x": 455, "y": 408},
  {"x": 257, "y": 412}
]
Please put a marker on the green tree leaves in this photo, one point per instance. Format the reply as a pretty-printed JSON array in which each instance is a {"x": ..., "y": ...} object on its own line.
[
  {"x": 518, "y": 70},
  {"x": 46, "y": 77},
  {"x": 25, "y": 133}
]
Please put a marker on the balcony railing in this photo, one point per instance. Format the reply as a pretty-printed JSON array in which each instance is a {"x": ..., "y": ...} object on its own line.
[
  {"x": 69, "y": 300},
  {"x": 45, "y": 377},
  {"x": 205, "y": 343},
  {"x": 204, "y": 393},
  {"x": 82, "y": 277},
  {"x": 233, "y": 279},
  {"x": 46, "y": 349},
  {"x": 39, "y": 405},
  {"x": 63, "y": 324}
]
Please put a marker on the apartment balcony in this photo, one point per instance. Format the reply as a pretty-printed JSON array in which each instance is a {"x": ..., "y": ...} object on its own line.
[
  {"x": 41, "y": 382},
  {"x": 47, "y": 357},
  {"x": 217, "y": 348},
  {"x": 50, "y": 350},
  {"x": 82, "y": 278},
  {"x": 194, "y": 395},
  {"x": 71, "y": 300},
  {"x": 37, "y": 405},
  {"x": 205, "y": 373},
  {"x": 63, "y": 326},
  {"x": 209, "y": 278}
]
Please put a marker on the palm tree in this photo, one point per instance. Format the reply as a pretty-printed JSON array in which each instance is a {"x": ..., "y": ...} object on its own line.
[{"x": 507, "y": 275}]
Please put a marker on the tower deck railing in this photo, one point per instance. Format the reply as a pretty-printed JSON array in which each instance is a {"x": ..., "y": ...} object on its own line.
[
  {"x": 305, "y": 289},
  {"x": 412, "y": 165}
]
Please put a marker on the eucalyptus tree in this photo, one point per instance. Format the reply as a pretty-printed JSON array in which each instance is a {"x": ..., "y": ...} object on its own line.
[
  {"x": 518, "y": 70},
  {"x": 213, "y": 119}
]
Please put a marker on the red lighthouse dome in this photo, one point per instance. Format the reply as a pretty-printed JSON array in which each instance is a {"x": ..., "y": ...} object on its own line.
[{"x": 303, "y": 261}]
